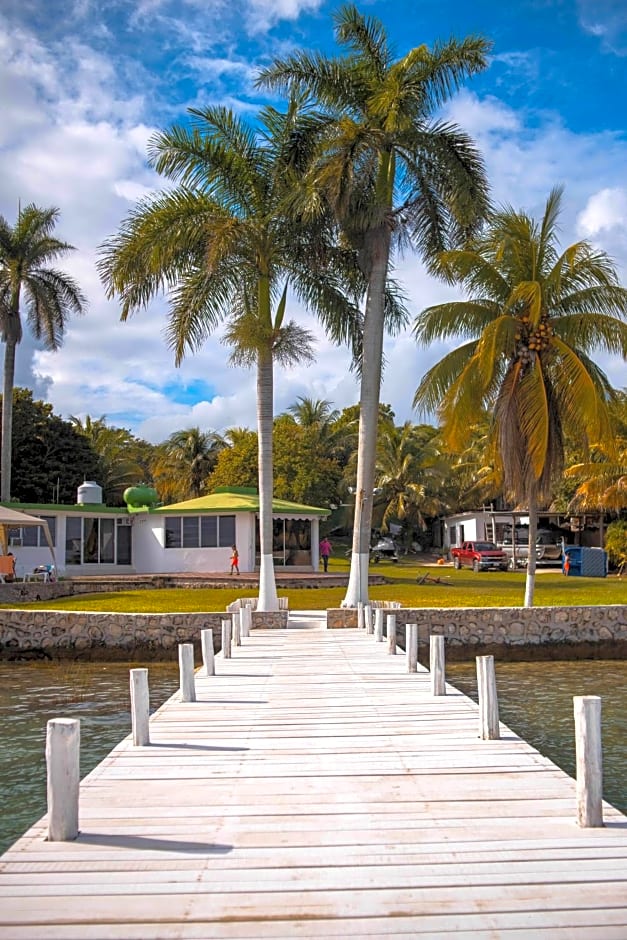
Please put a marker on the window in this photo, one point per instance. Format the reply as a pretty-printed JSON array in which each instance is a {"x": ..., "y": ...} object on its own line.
[
  {"x": 199, "y": 531},
  {"x": 33, "y": 536},
  {"x": 97, "y": 541}
]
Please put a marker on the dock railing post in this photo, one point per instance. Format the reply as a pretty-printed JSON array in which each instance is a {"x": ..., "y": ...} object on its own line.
[
  {"x": 437, "y": 665},
  {"x": 63, "y": 741},
  {"x": 186, "y": 672},
  {"x": 360, "y": 615},
  {"x": 226, "y": 639},
  {"x": 589, "y": 758},
  {"x": 488, "y": 699},
  {"x": 246, "y": 618},
  {"x": 140, "y": 707},
  {"x": 411, "y": 646},
  {"x": 236, "y": 618},
  {"x": 390, "y": 624},
  {"x": 368, "y": 619},
  {"x": 378, "y": 624},
  {"x": 208, "y": 655}
]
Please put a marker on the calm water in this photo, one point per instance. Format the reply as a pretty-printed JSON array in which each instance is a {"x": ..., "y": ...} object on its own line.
[
  {"x": 535, "y": 701},
  {"x": 31, "y": 694}
]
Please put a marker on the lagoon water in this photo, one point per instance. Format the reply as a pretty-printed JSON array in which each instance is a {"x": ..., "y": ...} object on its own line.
[{"x": 535, "y": 701}]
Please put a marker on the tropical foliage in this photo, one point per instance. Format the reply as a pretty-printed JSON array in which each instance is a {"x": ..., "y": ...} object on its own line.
[
  {"x": 123, "y": 458},
  {"x": 27, "y": 252},
  {"x": 393, "y": 174},
  {"x": 51, "y": 458},
  {"x": 533, "y": 317},
  {"x": 183, "y": 462},
  {"x": 227, "y": 244}
]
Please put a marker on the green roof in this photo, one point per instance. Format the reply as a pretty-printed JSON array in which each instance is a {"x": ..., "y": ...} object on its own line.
[
  {"x": 239, "y": 499},
  {"x": 67, "y": 507}
]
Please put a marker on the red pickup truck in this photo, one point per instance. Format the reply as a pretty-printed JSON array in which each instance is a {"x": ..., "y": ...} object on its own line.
[{"x": 480, "y": 556}]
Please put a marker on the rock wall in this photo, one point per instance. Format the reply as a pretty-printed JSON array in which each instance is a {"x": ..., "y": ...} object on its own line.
[
  {"x": 47, "y": 634},
  {"x": 507, "y": 632}
]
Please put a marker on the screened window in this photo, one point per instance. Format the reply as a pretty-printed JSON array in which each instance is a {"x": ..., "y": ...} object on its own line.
[
  {"x": 33, "y": 536},
  {"x": 199, "y": 531}
]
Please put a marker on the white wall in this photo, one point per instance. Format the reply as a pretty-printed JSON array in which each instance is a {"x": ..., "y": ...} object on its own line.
[{"x": 151, "y": 556}]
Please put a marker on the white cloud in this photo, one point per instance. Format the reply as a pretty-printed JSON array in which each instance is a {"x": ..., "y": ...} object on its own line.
[{"x": 604, "y": 211}]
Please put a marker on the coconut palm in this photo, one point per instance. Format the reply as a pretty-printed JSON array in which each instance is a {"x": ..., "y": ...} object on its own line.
[
  {"x": 394, "y": 175},
  {"x": 226, "y": 244},
  {"x": 184, "y": 461},
  {"x": 532, "y": 318},
  {"x": 27, "y": 250}
]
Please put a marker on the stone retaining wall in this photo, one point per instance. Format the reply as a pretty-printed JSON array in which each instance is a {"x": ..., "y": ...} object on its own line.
[
  {"x": 506, "y": 632},
  {"x": 92, "y": 635}
]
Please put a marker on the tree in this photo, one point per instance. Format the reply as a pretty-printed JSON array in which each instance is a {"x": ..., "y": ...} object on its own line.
[
  {"x": 394, "y": 175},
  {"x": 184, "y": 462},
  {"x": 50, "y": 457},
  {"x": 616, "y": 543},
  {"x": 409, "y": 473},
  {"x": 532, "y": 318},
  {"x": 227, "y": 244},
  {"x": 603, "y": 475},
  {"x": 122, "y": 456},
  {"x": 26, "y": 251}
]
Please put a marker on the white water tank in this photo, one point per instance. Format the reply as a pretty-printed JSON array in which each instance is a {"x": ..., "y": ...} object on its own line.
[{"x": 90, "y": 493}]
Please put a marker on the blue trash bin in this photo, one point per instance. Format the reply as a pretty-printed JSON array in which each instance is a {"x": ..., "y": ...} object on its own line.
[{"x": 585, "y": 562}]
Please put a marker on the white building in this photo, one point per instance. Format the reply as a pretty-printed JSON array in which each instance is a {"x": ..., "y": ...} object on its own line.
[{"x": 197, "y": 535}]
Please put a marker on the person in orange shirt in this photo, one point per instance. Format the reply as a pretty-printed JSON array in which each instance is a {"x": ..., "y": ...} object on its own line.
[{"x": 234, "y": 560}]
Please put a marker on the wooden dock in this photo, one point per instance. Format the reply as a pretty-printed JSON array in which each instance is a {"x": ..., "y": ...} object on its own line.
[{"x": 316, "y": 789}]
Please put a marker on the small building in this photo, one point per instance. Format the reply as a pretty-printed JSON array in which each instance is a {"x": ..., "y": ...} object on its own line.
[
  {"x": 196, "y": 535},
  {"x": 497, "y": 525}
]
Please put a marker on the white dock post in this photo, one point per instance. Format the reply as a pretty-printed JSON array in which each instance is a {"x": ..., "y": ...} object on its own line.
[
  {"x": 245, "y": 619},
  {"x": 140, "y": 707},
  {"x": 411, "y": 646},
  {"x": 589, "y": 757},
  {"x": 63, "y": 741},
  {"x": 390, "y": 622},
  {"x": 226, "y": 639},
  {"x": 378, "y": 624},
  {"x": 236, "y": 628},
  {"x": 437, "y": 665},
  {"x": 488, "y": 699},
  {"x": 208, "y": 656},
  {"x": 186, "y": 672},
  {"x": 360, "y": 615},
  {"x": 368, "y": 619}
]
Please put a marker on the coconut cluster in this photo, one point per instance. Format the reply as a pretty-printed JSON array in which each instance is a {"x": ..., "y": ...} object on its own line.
[{"x": 533, "y": 340}]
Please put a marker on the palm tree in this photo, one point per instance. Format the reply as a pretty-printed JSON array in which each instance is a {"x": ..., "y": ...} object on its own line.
[
  {"x": 26, "y": 251},
  {"x": 226, "y": 244},
  {"x": 603, "y": 476},
  {"x": 185, "y": 461},
  {"x": 119, "y": 452},
  {"x": 394, "y": 175},
  {"x": 532, "y": 317},
  {"x": 409, "y": 472}
]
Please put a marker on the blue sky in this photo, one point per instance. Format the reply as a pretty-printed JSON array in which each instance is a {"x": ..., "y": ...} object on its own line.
[{"x": 84, "y": 84}]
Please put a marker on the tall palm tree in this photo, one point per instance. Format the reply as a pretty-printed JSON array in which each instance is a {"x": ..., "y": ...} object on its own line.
[
  {"x": 394, "y": 175},
  {"x": 226, "y": 244},
  {"x": 27, "y": 250},
  {"x": 532, "y": 317}
]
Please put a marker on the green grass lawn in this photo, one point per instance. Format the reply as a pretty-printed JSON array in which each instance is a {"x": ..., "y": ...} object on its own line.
[{"x": 462, "y": 589}]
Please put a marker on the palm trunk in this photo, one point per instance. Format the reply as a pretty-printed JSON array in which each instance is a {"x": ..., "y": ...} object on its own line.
[
  {"x": 357, "y": 590},
  {"x": 530, "y": 583},
  {"x": 268, "y": 599},
  {"x": 7, "y": 420}
]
